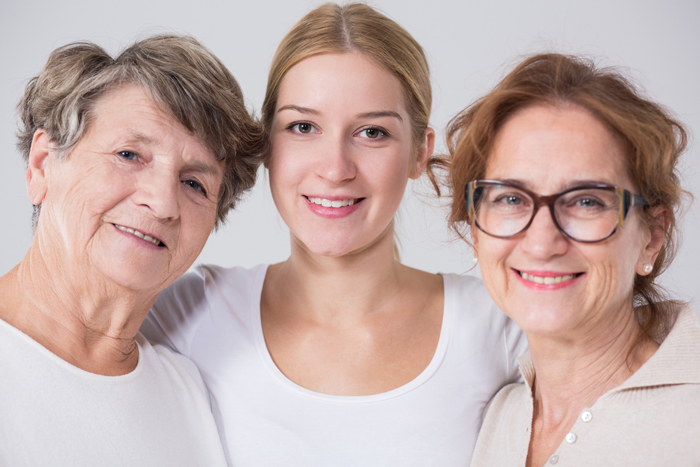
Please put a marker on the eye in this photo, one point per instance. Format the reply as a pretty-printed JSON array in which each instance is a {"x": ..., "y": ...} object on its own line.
[
  {"x": 372, "y": 133},
  {"x": 128, "y": 155},
  {"x": 513, "y": 200},
  {"x": 302, "y": 127},
  {"x": 195, "y": 186}
]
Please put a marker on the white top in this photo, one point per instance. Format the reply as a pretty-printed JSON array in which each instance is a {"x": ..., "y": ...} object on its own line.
[
  {"x": 212, "y": 315},
  {"x": 650, "y": 420},
  {"x": 55, "y": 414}
]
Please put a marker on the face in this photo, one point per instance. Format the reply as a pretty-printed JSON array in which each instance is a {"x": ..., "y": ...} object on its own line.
[
  {"x": 136, "y": 199},
  {"x": 547, "y": 150},
  {"x": 342, "y": 152}
]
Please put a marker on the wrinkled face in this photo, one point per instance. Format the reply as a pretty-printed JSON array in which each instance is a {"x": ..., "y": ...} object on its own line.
[
  {"x": 342, "y": 152},
  {"x": 136, "y": 199},
  {"x": 547, "y": 150}
]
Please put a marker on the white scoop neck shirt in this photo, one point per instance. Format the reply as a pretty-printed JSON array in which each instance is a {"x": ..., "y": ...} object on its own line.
[{"x": 212, "y": 316}]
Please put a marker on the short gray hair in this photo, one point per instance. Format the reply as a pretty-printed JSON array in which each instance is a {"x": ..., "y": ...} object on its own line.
[{"x": 184, "y": 79}]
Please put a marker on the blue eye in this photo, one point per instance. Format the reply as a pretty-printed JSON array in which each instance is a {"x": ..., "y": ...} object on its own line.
[
  {"x": 195, "y": 186},
  {"x": 128, "y": 155}
]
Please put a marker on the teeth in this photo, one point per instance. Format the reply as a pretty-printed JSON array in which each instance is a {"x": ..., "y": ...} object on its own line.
[
  {"x": 546, "y": 280},
  {"x": 339, "y": 203},
  {"x": 148, "y": 238}
]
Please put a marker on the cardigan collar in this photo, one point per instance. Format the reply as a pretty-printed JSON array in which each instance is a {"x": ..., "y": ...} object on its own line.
[{"x": 676, "y": 361}]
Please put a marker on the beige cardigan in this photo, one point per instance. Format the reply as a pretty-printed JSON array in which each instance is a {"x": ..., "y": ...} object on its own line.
[{"x": 652, "y": 419}]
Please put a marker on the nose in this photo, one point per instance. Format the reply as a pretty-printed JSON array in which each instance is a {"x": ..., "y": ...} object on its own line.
[
  {"x": 159, "y": 191},
  {"x": 336, "y": 162},
  {"x": 543, "y": 239}
]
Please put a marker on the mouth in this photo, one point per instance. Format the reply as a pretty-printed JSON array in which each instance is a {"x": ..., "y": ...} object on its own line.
[
  {"x": 548, "y": 279},
  {"x": 334, "y": 203},
  {"x": 148, "y": 238}
]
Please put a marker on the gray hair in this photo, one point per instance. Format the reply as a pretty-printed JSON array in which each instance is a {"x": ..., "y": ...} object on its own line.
[{"x": 183, "y": 78}]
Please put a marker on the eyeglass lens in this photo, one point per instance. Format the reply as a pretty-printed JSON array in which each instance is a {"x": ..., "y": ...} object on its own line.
[{"x": 587, "y": 214}]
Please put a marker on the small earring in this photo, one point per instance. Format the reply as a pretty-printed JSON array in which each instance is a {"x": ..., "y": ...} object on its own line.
[
  {"x": 648, "y": 268},
  {"x": 476, "y": 260}
]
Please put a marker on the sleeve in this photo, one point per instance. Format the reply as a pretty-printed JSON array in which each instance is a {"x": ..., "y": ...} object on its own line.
[
  {"x": 177, "y": 312},
  {"x": 516, "y": 345}
]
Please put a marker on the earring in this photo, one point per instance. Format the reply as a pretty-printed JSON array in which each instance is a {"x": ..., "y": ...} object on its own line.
[
  {"x": 648, "y": 268},
  {"x": 476, "y": 260}
]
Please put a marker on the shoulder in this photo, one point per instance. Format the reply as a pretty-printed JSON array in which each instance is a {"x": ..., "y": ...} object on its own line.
[
  {"x": 205, "y": 290},
  {"x": 468, "y": 297},
  {"x": 165, "y": 364}
]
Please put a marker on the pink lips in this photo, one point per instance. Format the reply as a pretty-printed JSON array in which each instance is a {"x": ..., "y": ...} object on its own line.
[
  {"x": 332, "y": 213},
  {"x": 536, "y": 286}
]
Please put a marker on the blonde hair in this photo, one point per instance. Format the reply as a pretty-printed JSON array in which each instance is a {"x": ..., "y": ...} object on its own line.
[{"x": 356, "y": 27}]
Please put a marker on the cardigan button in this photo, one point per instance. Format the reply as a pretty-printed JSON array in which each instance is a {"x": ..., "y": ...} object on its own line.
[
  {"x": 554, "y": 459},
  {"x": 571, "y": 438},
  {"x": 586, "y": 416}
]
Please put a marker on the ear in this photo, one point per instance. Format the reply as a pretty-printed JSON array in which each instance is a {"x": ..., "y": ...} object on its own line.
[
  {"x": 658, "y": 224},
  {"x": 423, "y": 153},
  {"x": 36, "y": 168}
]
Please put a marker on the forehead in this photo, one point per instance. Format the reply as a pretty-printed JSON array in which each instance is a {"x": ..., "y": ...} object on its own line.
[
  {"x": 549, "y": 148},
  {"x": 349, "y": 81}
]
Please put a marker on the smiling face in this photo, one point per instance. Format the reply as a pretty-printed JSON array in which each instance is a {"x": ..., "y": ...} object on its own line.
[
  {"x": 135, "y": 201},
  {"x": 548, "y": 149},
  {"x": 342, "y": 152}
]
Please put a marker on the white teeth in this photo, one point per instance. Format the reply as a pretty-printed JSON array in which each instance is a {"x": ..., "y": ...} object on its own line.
[
  {"x": 148, "y": 238},
  {"x": 546, "y": 280},
  {"x": 338, "y": 203}
]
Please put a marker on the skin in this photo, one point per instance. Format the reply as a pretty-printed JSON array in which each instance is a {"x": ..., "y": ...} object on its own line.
[
  {"x": 341, "y": 316},
  {"x": 84, "y": 286},
  {"x": 580, "y": 334}
]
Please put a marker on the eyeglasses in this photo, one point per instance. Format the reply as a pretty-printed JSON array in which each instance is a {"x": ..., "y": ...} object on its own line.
[{"x": 586, "y": 214}]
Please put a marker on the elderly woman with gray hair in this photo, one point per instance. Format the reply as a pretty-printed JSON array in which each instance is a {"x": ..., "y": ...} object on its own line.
[{"x": 133, "y": 161}]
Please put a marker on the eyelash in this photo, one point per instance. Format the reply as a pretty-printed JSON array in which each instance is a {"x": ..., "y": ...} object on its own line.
[
  {"x": 132, "y": 153},
  {"x": 382, "y": 131},
  {"x": 194, "y": 184},
  {"x": 292, "y": 126},
  {"x": 199, "y": 186}
]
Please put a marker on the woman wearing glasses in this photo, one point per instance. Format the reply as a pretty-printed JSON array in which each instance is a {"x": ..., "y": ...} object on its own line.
[{"x": 570, "y": 193}]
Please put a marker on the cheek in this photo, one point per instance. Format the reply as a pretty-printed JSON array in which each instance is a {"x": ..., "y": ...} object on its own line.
[{"x": 492, "y": 261}]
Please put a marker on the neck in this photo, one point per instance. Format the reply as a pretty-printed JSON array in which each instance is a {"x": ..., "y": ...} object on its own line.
[
  {"x": 572, "y": 374},
  {"x": 339, "y": 288},
  {"x": 79, "y": 317}
]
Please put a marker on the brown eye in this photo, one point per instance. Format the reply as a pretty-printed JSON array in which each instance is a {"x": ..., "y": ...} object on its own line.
[
  {"x": 372, "y": 133},
  {"x": 304, "y": 128}
]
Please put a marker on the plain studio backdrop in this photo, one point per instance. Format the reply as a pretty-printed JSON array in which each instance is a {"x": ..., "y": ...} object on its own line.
[{"x": 470, "y": 45}]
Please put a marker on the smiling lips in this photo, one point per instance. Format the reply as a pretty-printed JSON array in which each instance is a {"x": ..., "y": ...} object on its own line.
[
  {"x": 142, "y": 235},
  {"x": 336, "y": 203},
  {"x": 547, "y": 279}
]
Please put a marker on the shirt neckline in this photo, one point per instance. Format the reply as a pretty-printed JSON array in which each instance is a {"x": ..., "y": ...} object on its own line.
[
  {"x": 141, "y": 343},
  {"x": 425, "y": 375}
]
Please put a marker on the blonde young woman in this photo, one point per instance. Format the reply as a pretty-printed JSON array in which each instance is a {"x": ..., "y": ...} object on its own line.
[{"x": 341, "y": 355}]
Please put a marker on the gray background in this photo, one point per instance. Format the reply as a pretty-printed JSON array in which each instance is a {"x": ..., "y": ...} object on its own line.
[{"x": 470, "y": 45}]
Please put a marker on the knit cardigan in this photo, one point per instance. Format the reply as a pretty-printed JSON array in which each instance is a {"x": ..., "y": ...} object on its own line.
[{"x": 652, "y": 419}]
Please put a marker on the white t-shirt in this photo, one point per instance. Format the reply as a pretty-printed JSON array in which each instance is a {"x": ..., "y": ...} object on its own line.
[
  {"x": 212, "y": 315},
  {"x": 55, "y": 414}
]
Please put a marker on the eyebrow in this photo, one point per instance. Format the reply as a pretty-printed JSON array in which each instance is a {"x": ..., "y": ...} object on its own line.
[
  {"x": 303, "y": 110},
  {"x": 381, "y": 113},
  {"x": 203, "y": 167},
  {"x": 572, "y": 184},
  {"x": 374, "y": 114},
  {"x": 200, "y": 166}
]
